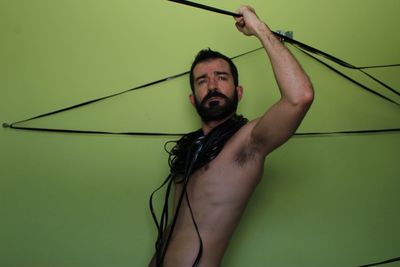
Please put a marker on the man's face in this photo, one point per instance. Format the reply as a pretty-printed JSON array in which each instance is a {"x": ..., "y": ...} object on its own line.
[{"x": 215, "y": 95}]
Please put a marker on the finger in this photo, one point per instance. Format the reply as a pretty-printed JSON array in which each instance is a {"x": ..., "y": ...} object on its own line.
[
  {"x": 240, "y": 28},
  {"x": 240, "y": 21},
  {"x": 246, "y": 8}
]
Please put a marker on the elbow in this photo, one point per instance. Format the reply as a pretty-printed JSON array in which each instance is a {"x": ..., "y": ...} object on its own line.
[
  {"x": 305, "y": 98},
  {"x": 308, "y": 96}
]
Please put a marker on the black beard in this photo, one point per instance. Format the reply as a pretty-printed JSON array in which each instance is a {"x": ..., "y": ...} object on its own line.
[{"x": 218, "y": 109}]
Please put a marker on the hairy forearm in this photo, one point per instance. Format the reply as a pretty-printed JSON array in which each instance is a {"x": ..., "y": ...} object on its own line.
[{"x": 293, "y": 83}]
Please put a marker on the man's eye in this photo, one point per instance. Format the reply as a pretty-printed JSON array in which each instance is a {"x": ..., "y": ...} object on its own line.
[
  {"x": 222, "y": 78},
  {"x": 199, "y": 82}
]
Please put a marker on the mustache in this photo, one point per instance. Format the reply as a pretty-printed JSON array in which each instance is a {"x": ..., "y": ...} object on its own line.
[{"x": 213, "y": 94}]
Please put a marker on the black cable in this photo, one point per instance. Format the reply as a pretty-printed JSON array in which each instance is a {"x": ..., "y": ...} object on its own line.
[
  {"x": 380, "y": 82},
  {"x": 303, "y": 48},
  {"x": 96, "y": 100},
  {"x": 162, "y": 227},
  {"x": 327, "y": 133},
  {"x": 381, "y": 262},
  {"x": 300, "y": 44},
  {"x": 209, "y": 8},
  {"x": 348, "y": 77},
  {"x": 342, "y": 63},
  {"x": 380, "y": 66},
  {"x": 354, "y": 132},
  {"x": 68, "y": 131},
  {"x": 368, "y": 131},
  {"x": 283, "y": 37},
  {"x": 13, "y": 125},
  {"x": 294, "y": 42},
  {"x": 297, "y": 44}
]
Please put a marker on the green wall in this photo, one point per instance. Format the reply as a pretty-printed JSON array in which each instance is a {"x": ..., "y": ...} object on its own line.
[{"x": 82, "y": 200}]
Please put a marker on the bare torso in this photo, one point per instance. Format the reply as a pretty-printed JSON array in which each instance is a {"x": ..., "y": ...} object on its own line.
[{"x": 218, "y": 193}]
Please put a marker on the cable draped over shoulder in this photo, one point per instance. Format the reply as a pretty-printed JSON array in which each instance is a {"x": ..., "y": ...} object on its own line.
[{"x": 212, "y": 144}]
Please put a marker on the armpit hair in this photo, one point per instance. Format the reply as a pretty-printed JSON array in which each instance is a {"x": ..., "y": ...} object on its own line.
[{"x": 246, "y": 155}]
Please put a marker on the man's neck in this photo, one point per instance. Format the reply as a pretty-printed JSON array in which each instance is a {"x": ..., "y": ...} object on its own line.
[{"x": 208, "y": 126}]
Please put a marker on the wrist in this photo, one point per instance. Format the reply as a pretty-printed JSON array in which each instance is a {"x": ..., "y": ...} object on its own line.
[{"x": 261, "y": 29}]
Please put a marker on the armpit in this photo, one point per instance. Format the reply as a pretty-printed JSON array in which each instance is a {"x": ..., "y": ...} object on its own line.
[{"x": 246, "y": 155}]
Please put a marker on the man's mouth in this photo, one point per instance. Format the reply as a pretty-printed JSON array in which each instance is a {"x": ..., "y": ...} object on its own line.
[
  {"x": 214, "y": 98},
  {"x": 213, "y": 102}
]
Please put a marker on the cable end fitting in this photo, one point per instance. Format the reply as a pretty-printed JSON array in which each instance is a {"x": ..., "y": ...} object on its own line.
[{"x": 6, "y": 125}]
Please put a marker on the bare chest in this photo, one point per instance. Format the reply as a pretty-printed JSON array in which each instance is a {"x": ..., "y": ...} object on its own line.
[{"x": 221, "y": 188}]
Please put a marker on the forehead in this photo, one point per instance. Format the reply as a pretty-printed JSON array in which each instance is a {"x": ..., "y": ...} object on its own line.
[{"x": 211, "y": 65}]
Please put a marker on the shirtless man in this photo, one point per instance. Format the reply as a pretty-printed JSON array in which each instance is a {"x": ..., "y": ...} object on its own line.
[{"x": 218, "y": 192}]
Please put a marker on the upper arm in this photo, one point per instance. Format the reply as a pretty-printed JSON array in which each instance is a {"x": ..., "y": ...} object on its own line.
[{"x": 277, "y": 125}]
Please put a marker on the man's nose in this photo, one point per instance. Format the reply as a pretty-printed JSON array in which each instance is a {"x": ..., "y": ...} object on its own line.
[{"x": 213, "y": 85}]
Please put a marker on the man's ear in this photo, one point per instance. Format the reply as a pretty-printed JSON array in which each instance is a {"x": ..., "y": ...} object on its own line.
[
  {"x": 239, "y": 90},
  {"x": 192, "y": 100}
]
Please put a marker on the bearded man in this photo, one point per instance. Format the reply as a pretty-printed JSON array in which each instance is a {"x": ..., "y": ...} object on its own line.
[{"x": 216, "y": 169}]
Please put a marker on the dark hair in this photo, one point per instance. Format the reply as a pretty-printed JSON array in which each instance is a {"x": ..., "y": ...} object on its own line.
[{"x": 208, "y": 54}]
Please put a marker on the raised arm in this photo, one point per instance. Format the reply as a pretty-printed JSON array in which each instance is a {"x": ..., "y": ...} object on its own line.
[{"x": 282, "y": 119}]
